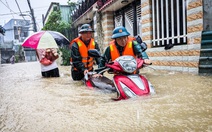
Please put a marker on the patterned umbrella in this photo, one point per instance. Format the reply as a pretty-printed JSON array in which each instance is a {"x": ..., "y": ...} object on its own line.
[{"x": 45, "y": 39}]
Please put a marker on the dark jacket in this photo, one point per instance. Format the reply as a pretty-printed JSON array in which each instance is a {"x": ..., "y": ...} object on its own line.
[
  {"x": 77, "y": 59},
  {"x": 137, "y": 49}
]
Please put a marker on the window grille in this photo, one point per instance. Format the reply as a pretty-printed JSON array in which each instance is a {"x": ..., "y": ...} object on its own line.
[
  {"x": 125, "y": 16},
  {"x": 118, "y": 21},
  {"x": 138, "y": 9},
  {"x": 129, "y": 21},
  {"x": 169, "y": 22}
]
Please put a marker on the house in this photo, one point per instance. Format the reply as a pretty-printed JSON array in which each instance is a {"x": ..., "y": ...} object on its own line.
[
  {"x": 17, "y": 30},
  {"x": 172, "y": 29},
  {"x": 65, "y": 14},
  {"x": 2, "y": 32}
]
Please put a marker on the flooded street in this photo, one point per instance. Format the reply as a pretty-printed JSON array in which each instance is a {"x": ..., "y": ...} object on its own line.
[{"x": 30, "y": 103}]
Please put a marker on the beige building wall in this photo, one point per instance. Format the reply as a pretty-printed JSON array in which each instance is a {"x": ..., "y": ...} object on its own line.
[
  {"x": 108, "y": 26},
  {"x": 107, "y": 29},
  {"x": 184, "y": 58}
]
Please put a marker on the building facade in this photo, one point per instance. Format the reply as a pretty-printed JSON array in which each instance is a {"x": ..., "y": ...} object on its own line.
[
  {"x": 17, "y": 30},
  {"x": 2, "y": 31},
  {"x": 172, "y": 29}
]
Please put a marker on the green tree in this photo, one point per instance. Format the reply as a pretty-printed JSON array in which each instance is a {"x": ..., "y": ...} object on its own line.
[
  {"x": 55, "y": 23},
  {"x": 73, "y": 6},
  {"x": 65, "y": 55}
]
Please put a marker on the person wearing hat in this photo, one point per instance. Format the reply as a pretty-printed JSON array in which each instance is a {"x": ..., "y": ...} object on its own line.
[
  {"x": 48, "y": 63},
  {"x": 123, "y": 44},
  {"x": 80, "y": 61}
]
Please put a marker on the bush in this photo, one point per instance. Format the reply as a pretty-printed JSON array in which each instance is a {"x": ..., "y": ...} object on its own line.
[
  {"x": 66, "y": 53},
  {"x": 16, "y": 58}
]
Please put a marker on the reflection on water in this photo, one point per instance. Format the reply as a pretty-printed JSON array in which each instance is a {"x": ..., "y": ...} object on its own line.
[{"x": 30, "y": 103}]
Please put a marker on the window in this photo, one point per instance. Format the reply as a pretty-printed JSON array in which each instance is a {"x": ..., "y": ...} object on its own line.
[
  {"x": 25, "y": 34},
  {"x": 17, "y": 37},
  {"x": 118, "y": 20},
  {"x": 129, "y": 17},
  {"x": 138, "y": 9},
  {"x": 129, "y": 20},
  {"x": 169, "y": 22}
]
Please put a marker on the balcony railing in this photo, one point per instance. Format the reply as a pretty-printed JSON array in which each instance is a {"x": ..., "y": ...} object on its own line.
[{"x": 86, "y": 4}]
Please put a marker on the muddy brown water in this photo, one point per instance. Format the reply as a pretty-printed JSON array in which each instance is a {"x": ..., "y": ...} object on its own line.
[{"x": 30, "y": 103}]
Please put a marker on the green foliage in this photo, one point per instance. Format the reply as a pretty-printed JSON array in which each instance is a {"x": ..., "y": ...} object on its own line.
[
  {"x": 65, "y": 55},
  {"x": 72, "y": 5},
  {"x": 16, "y": 58},
  {"x": 55, "y": 23}
]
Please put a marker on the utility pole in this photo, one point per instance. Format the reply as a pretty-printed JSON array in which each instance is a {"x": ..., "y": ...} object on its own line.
[{"x": 33, "y": 17}]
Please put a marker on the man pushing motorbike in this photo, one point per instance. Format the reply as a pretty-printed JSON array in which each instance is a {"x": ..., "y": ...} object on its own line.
[
  {"x": 123, "y": 44},
  {"x": 126, "y": 56},
  {"x": 81, "y": 62}
]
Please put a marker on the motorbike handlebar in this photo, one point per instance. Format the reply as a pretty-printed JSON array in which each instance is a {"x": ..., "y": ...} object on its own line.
[
  {"x": 100, "y": 69},
  {"x": 148, "y": 64}
]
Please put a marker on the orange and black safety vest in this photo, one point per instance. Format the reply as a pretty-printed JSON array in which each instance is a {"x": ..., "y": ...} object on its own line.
[
  {"x": 128, "y": 50},
  {"x": 83, "y": 49}
]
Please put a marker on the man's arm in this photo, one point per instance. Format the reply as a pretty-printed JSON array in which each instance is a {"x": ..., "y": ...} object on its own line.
[
  {"x": 76, "y": 58},
  {"x": 140, "y": 53},
  {"x": 137, "y": 49},
  {"x": 106, "y": 58},
  {"x": 97, "y": 47}
]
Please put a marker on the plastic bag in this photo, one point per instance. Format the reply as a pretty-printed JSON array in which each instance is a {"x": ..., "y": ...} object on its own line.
[{"x": 45, "y": 62}]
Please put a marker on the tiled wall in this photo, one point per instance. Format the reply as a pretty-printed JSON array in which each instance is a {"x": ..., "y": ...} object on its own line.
[{"x": 184, "y": 58}]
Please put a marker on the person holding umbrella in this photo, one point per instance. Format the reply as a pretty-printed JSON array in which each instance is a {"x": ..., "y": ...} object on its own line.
[
  {"x": 80, "y": 61},
  {"x": 46, "y": 44},
  {"x": 48, "y": 63}
]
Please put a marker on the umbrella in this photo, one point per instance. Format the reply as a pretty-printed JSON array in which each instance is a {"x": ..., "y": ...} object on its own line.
[{"x": 45, "y": 39}]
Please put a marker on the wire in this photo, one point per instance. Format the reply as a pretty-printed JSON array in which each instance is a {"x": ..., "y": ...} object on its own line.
[
  {"x": 20, "y": 10},
  {"x": 8, "y": 7},
  {"x": 13, "y": 13}
]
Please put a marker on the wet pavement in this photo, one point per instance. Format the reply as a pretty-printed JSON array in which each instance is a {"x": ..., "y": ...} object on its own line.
[{"x": 30, "y": 103}]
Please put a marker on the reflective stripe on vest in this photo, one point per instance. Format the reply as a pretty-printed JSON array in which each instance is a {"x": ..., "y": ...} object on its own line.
[
  {"x": 83, "y": 49},
  {"x": 128, "y": 50}
]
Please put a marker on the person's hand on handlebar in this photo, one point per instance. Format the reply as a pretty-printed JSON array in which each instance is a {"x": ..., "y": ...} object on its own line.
[
  {"x": 93, "y": 74},
  {"x": 97, "y": 75},
  {"x": 85, "y": 72},
  {"x": 147, "y": 61}
]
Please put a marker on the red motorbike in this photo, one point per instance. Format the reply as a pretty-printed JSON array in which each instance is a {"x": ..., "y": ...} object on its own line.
[{"x": 127, "y": 81}]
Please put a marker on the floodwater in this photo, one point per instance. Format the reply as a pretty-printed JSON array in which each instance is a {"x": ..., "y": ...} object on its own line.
[{"x": 30, "y": 103}]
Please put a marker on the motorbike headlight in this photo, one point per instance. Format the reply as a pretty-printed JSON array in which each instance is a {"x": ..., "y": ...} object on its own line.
[
  {"x": 129, "y": 93},
  {"x": 128, "y": 63}
]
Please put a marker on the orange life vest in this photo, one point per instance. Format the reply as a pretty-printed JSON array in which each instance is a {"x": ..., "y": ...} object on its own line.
[
  {"x": 128, "y": 49},
  {"x": 83, "y": 49}
]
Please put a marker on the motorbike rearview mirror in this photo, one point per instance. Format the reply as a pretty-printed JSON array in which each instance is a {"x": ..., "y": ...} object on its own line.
[
  {"x": 143, "y": 46},
  {"x": 94, "y": 53},
  {"x": 138, "y": 39}
]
